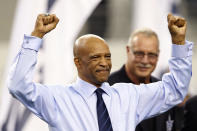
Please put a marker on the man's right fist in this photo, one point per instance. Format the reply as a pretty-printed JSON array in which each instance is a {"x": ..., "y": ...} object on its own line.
[{"x": 44, "y": 24}]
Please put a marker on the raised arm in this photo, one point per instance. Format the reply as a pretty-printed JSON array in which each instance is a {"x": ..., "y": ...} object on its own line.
[
  {"x": 158, "y": 97},
  {"x": 38, "y": 98}
]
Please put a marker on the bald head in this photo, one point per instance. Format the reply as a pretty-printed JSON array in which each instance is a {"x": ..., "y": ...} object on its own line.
[{"x": 83, "y": 42}]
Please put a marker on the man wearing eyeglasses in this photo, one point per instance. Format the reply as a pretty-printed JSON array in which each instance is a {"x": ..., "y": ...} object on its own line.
[{"x": 142, "y": 56}]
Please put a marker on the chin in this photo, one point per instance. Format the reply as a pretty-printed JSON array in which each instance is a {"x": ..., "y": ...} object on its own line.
[
  {"x": 101, "y": 80},
  {"x": 102, "y": 77},
  {"x": 143, "y": 74}
]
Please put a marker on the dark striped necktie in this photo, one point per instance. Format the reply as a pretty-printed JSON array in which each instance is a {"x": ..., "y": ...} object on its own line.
[{"x": 104, "y": 121}]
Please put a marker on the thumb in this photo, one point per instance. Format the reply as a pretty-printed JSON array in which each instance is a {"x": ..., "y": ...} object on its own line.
[{"x": 171, "y": 20}]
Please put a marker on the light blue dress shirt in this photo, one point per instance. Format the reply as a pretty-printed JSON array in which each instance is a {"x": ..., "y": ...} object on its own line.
[{"x": 73, "y": 107}]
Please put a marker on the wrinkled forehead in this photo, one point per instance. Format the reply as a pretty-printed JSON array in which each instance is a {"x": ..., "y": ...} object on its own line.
[{"x": 143, "y": 41}]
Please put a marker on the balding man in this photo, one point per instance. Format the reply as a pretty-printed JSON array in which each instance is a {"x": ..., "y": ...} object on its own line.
[{"x": 90, "y": 103}]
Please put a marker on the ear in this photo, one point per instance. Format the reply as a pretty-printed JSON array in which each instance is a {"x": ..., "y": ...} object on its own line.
[
  {"x": 158, "y": 52},
  {"x": 128, "y": 49},
  {"x": 77, "y": 62}
]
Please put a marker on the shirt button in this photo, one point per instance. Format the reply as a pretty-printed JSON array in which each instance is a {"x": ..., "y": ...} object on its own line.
[{"x": 27, "y": 42}]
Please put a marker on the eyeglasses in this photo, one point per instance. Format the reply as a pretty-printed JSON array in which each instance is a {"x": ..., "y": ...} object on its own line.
[{"x": 140, "y": 55}]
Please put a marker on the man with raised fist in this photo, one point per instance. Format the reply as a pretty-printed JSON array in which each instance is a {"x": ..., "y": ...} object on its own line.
[{"x": 90, "y": 103}]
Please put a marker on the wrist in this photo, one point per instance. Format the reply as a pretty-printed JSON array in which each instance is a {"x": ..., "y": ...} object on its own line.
[
  {"x": 37, "y": 34},
  {"x": 178, "y": 40}
]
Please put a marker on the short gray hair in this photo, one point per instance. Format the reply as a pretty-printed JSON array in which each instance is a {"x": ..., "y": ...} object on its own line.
[{"x": 145, "y": 31}]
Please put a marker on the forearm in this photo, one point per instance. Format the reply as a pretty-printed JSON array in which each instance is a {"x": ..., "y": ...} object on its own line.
[
  {"x": 175, "y": 84},
  {"x": 181, "y": 68},
  {"x": 21, "y": 72},
  {"x": 158, "y": 97}
]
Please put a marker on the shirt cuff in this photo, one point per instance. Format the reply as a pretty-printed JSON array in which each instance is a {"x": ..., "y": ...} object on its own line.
[
  {"x": 32, "y": 42},
  {"x": 182, "y": 51}
]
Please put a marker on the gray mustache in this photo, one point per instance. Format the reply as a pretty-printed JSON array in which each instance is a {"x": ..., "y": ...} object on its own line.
[{"x": 144, "y": 65}]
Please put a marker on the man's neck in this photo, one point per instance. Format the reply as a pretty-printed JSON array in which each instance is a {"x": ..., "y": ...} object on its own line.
[
  {"x": 135, "y": 79},
  {"x": 98, "y": 85}
]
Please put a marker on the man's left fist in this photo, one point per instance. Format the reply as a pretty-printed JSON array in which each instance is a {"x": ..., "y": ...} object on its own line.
[{"x": 177, "y": 27}]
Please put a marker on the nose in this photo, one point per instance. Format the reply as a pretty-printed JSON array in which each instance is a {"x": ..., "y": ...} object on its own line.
[
  {"x": 103, "y": 61},
  {"x": 145, "y": 59}
]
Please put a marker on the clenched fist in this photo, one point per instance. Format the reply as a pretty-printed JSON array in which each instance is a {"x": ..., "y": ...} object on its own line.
[
  {"x": 177, "y": 27},
  {"x": 44, "y": 24}
]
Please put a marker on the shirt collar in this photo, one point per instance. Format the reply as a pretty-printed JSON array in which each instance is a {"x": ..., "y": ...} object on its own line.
[{"x": 86, "y": 89}]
